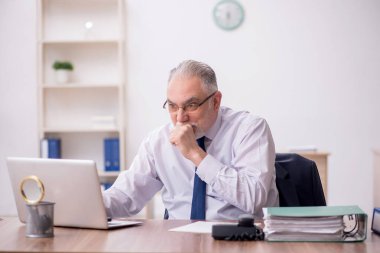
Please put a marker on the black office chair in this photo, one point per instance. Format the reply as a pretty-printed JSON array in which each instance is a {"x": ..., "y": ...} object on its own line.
[{"x": 298, "y": 181}]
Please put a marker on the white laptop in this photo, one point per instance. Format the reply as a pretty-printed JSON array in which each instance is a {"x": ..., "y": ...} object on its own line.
[{"x": 74, "y": 187}]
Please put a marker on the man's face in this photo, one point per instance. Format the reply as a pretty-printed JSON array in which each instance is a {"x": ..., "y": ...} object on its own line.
[{"x": 183, "y": 91}]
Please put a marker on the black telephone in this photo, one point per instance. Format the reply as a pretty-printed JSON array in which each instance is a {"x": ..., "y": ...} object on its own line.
[{"x": 245, "y": 230}]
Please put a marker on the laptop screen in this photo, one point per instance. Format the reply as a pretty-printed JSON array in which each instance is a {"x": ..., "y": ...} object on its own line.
[{"x": 73, "y": 185}]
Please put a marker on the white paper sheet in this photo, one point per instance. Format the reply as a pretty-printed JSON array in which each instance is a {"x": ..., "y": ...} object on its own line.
[{"x": 202, "y": 227}]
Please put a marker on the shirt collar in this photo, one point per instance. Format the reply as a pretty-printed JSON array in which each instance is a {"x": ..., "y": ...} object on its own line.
[{"x": 211, "y": 133}]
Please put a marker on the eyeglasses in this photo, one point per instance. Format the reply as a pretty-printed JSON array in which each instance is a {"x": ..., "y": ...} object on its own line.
[{"x": 190, "y": 107}]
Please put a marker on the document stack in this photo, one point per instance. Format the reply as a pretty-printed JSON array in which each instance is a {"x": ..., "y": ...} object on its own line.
[{"x": 322, "y": 223}]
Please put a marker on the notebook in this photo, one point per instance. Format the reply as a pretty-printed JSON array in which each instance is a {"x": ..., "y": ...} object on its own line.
[{"x": 74, "y": 187}]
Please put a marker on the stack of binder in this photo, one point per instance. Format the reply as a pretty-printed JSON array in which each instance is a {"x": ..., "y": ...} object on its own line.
[{"x": 322, "y": 223}]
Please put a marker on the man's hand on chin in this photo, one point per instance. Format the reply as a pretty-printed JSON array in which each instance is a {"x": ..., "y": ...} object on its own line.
[{"x": 183, "y": 137}]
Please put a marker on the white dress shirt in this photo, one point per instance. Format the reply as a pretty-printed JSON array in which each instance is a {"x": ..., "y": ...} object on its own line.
[{"x": 238, "y": 170}]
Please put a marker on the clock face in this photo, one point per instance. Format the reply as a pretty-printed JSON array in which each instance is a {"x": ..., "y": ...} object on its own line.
[{"x": 228, "y": 14}]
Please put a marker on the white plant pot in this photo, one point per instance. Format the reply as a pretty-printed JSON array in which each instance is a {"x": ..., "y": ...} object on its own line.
[{"x": 62, "y": 76}]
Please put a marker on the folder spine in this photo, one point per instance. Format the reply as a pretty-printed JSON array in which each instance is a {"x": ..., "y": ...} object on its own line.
[
  {"x": 111, "y": 154},
  {"x": 51, "y": 148}
]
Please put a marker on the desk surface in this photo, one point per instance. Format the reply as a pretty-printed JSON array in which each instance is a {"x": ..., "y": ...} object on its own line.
[{"x": 153, "y": 236}]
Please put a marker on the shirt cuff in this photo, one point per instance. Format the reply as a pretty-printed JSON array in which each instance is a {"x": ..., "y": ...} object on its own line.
[{"x": 208, "y": 169}]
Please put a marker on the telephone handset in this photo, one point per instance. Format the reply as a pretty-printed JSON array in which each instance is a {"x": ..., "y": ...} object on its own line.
[{"x": 245, "y": 230}]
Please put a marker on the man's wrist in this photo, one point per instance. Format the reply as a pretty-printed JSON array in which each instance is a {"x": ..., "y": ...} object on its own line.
[{"x": 198, "y": 156}]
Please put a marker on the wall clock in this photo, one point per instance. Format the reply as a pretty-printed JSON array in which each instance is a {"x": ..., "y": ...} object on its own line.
[{"x": 228, "y": 14}]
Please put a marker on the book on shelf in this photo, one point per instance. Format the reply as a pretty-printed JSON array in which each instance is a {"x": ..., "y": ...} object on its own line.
[
  {"x": 315, "y": 223},
  {"x": 111, "y": 154},
  {"x": 105, "y": 186},
  {"x": 51, "y": 148}
]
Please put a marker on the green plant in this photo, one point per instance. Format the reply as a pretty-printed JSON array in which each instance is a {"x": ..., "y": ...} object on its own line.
[{"x": 63, "y": 65}]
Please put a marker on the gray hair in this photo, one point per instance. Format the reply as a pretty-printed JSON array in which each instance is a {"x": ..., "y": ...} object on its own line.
[{"x": 191, "y": 68}]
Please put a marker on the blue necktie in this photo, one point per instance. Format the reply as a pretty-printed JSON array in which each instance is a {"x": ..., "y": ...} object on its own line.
[{"x": 198, "y": 205}]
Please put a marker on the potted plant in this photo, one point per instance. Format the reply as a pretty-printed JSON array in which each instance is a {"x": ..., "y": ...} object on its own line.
[{"x": 62, "y": 70}]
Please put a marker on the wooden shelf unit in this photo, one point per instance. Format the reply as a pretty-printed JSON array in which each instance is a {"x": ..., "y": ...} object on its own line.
[{"x": 89, "y": 34}]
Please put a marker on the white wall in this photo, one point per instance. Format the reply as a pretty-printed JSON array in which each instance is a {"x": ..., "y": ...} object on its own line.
[
  {"x": 308, "y": 67},
  {"x": 18, "y": 90}
]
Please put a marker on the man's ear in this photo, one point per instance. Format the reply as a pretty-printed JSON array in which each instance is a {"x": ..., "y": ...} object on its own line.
[{"x": 217, "y": 100}]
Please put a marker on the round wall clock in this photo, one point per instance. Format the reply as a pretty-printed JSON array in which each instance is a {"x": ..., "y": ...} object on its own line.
[{"x": 228, "y": 14}]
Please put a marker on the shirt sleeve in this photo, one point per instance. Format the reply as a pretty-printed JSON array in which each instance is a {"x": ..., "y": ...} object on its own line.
[
  {"x": 134, "y": 187},
  {"x": 249, "y": 179}
]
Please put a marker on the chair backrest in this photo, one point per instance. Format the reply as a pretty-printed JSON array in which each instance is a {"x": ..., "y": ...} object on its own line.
[{"x": 298, "y": 181}]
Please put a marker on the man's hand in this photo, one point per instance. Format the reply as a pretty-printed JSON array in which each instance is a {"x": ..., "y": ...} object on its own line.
[{"x": 183, "y": 137}]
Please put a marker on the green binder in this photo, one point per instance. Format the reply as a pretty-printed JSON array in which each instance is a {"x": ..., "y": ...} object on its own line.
[{"x": 315, "y": 223}]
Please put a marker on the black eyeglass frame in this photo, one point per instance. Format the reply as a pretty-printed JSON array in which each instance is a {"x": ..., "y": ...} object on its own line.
[{"x": 198, "y": 104}]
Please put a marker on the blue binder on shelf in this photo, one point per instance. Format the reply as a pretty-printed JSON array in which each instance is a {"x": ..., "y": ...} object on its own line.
[
  {"x": 111, "y": 154},
  {"x": 106, "y": 186},
  {"x": 51, "y": 148}
]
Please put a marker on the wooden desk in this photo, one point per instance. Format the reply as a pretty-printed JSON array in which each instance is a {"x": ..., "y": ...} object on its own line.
[{"x": 153, "y": 236}]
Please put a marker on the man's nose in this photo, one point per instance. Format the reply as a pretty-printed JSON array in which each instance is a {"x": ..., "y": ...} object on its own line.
[{"x": 182, "y": 115}]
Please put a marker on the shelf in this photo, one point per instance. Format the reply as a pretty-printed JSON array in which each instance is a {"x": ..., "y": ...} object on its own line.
[
  {"x": 78, "y": 20},
  {"x": 304, "y": 152},
  {"x": 80, "y": 86},
  {"x": 108, "y": 176},
  {"x": 89, "y": 108},
  {"x": 57, "y": 42},
  {"x": 83, "y": 145},
  {"x": 80, "y": 130},
  {"x": 93, "y": 63},
  {"x": 76, "y": 108}
]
